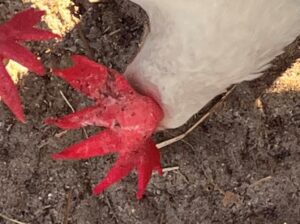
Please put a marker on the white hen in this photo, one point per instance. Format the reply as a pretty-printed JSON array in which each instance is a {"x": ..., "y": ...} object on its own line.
[{"x": 197, "y": 48}]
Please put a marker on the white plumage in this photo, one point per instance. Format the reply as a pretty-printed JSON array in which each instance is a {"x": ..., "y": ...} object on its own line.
[{"x": 197, "y": 48}]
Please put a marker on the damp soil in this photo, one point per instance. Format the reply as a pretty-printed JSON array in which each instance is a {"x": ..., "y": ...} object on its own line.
[{"x": 241, "y": 165}]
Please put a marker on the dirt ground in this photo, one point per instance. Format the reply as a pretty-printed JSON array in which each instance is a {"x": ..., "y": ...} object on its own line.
[{"x": 241, "y": 165}]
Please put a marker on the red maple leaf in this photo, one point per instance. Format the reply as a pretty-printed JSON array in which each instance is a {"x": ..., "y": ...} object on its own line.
[
  {"x": 12, "y": 33},
  {"x": 129, "y": 118}
]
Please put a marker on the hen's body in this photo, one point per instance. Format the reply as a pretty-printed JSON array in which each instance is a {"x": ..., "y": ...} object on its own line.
[{"x": 197, "y": 48}]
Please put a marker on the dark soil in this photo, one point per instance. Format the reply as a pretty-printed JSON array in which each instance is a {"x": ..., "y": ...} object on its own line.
[{"x": 242, "y": 165}]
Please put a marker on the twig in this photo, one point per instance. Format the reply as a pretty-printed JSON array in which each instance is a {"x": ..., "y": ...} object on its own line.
[
  {"x": 106, "y": 30},
  {"x": 68, "y": 207},
  {"x": 261, "y": 180},
  {"x": 184, "y": 177},
  {"x": 175, "y": 168},
  {"x": 67, "y": 101},
  {"x": 169, "y": 169},
  {"x": 114, "y": 32},
  {"x": 94, "y": 1},
  {"x": 43, "y": 144},
  {"x": 201, "y": 120},
  {"x": 85, "y": 132},
  {"x": 11, "y": 220},
  {"x": 60, "y": 134},
  {"x": 73, "y": 110}
]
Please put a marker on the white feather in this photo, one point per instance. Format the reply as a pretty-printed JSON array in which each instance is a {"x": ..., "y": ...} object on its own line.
[{"x": 197, "y": 48}]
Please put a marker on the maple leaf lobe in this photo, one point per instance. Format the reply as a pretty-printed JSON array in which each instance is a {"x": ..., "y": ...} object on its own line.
[
  {"x": 12, "y": 34},
  {"x": 130, "y": 120}
]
